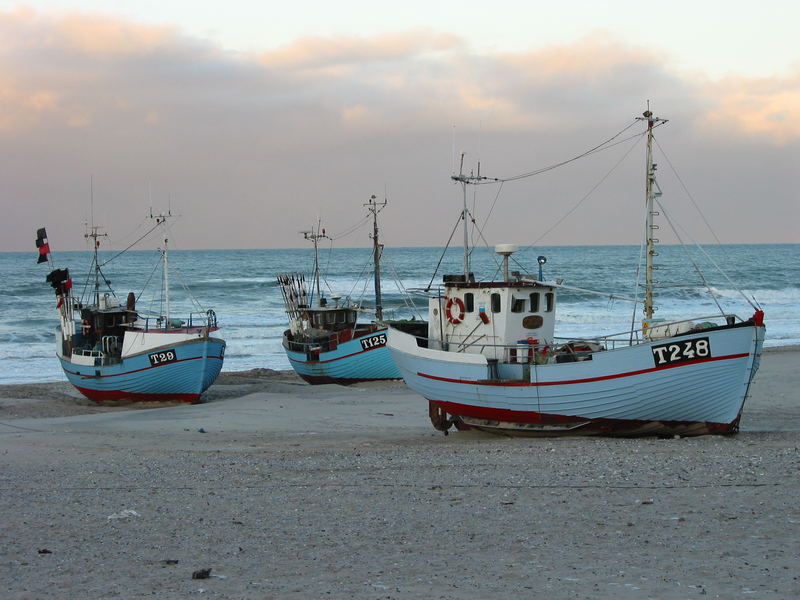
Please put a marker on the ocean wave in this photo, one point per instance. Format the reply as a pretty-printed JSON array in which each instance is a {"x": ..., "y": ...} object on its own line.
[
  {"x": 241, "y": 287},
  {"x": 788, "y": 296},
  {"x": 225, "y": 280},
  {"x": 17, "y": 338}
]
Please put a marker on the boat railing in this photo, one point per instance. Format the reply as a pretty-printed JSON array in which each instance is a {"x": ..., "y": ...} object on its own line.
[
  {"x": 110, "y": 344},
  {"x": 88, "y": 352},
  {"x": 571, "y": 348},
  {"x": 206, "y": 318},
  {"x": 317, "y": 345},
  {"x": 101, "y": 357},
  {"x": 663, "y": 329}
]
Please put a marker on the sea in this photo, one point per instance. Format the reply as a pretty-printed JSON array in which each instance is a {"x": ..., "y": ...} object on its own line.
[{"x": 240, "y": 286}]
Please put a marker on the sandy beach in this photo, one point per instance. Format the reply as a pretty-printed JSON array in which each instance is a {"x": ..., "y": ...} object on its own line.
[{"x": 285, "y": 490}]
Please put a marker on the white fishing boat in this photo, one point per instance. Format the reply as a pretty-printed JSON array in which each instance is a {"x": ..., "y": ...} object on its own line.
[
  {"x": 491, "y": 359},
  {"x": 113, "y": 351}
]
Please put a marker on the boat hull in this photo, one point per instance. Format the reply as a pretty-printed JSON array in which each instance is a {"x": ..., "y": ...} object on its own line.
[
  {"x": 619, "y": 392},
  {"x": 136, "y": 379},
  {"x": 363, "y": 358}
]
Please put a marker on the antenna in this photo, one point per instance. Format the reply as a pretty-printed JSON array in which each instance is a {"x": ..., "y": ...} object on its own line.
[
  {"x": 93, "y": 234},
  {"x": 314, "y": 237},
  {"x": 161, "y": 219},
  {"x": 453, "y": 150}
]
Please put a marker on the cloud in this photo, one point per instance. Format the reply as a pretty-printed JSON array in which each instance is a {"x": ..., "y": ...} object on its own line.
[
  {"x": 68, "y": 66},
  {"x": 275, "y": 136},
  {"x": 323, "y": 53},
  {"x": 757, "y": 109},
  {"x": 109, "y": 36}
]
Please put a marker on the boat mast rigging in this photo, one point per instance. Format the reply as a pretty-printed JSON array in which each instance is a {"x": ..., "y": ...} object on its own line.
[
  {"x": 314, "y": 237},
  {"x": 651, "y": 192},
  {"x": 161, "y": 220},
  {"x": 375, "y": 207},
  {"x": 93, "y": 234},
  {"x": 465, "y": 180}
]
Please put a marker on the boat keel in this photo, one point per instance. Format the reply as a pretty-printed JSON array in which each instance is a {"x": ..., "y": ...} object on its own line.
[{"x": 445, "y": 414}]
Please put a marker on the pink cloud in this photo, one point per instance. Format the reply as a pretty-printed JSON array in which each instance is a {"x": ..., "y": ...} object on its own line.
[
  {"x": 761, "y": 108},
  {"x": 105, "y": 35},
  {"x": 325, "y": 52},
  {"x": 78, "y": 66}
]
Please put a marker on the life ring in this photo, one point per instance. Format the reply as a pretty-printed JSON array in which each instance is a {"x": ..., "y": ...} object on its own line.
[
  {"x": 86, "y": 328},
  {"x": 459, "y": 303}
]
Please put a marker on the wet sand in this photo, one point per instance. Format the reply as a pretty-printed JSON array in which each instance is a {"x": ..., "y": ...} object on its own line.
[{"x": 286, "y": 490}]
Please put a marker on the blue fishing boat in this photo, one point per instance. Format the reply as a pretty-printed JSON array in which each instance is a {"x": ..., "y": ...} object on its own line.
[
  {"x": 325, "y": 342},
  {"x": 111, "y": 351},
  {"x": 491, "y": 359}
]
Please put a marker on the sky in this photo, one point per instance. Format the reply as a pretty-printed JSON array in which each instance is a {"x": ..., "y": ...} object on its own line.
[{"x": 254, "y": 123}]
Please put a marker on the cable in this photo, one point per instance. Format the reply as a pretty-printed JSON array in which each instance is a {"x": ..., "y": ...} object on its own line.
[
  {"x": 121, "y": 252},
  {"x": 444, "y": 251},
  {"x": 480, "y": 180},
  {"x": 352, "y": 229},
  {"x": 589, "y": 193}
]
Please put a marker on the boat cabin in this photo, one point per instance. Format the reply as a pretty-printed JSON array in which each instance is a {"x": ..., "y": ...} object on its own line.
[
  {"x": 500, "y": 319},
  {"x": 332, "y": 319}
]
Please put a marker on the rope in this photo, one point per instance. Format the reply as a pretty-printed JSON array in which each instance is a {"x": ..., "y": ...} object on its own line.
[
  {"x": 407, "y": 299},
  {"x": 358, "y": 279},
  {"x": 688, "y": 194},
  {"x": 710, "y": 259},
  {"x": 598, "y": 148},
  {"x": 444, "y": 251},
  {"x": 689, "y": 256},
  {"x": 642, "y": 247},
  {"x": 120, "y": 253},
  {"x": 352, "y": 229},
  {"x": 591, "y": 191}
]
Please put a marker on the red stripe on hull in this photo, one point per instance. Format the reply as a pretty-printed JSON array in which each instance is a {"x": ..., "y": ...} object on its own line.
[
  {"x": 526, "y": 422},
  {"x": 330, "y": 360},
  {"x": 587, "y": 380},
  {"x": 119, "y": 395},
  {"x": 90, "y": 367}
]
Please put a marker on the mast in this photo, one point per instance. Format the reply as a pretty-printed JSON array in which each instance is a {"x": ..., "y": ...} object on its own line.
[
  {"x": 93, "y": 234},
  {"x": 375, "y": 207},
  {"x": 315, "y": 237},
  {"x": 466, "y": 234},
  {"x": 161, "y": 220},
  {"x": 464, "y": 180},
  {"x": 166, "y": 283},
  {"x": 651, "y": 192}
]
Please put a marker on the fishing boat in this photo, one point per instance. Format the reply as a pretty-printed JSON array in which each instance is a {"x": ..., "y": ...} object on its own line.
[
  {"x": 491, "y": 359},
  {"x": 111, "y": 351},
  {"x": 325, "y": 341}
]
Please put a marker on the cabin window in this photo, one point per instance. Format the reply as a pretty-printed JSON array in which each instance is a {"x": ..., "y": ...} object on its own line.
[
  {"x": 548, "y": 302},
  {"x": 469, "y": 302},
  {"x": 518, "y": 305},
  {"x": 341, "y": 317},
  {"x": 535, "y": 302},
  {"x": 330, "y": 318},
  {"x": 317, "y": 319},
  {"x": 495, "y": 303}
]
